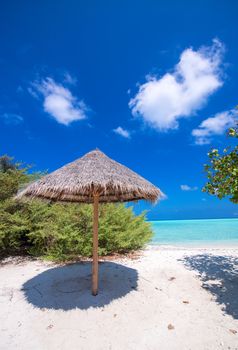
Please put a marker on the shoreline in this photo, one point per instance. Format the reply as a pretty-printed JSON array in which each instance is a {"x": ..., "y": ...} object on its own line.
[{"x": 193, "y": 246}]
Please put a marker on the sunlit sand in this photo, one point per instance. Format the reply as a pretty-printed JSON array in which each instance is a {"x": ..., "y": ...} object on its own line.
[{"x": 168, "y": 298}]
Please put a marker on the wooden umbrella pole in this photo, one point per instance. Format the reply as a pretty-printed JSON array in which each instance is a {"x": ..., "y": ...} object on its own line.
[{"x": 95, "y": 246}]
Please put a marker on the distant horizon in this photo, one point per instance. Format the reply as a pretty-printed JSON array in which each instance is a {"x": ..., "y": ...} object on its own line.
[{"x": 226, "y": 218}]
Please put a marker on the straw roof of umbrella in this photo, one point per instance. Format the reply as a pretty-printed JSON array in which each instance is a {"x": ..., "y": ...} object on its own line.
[{"x": 94, "y": 173}]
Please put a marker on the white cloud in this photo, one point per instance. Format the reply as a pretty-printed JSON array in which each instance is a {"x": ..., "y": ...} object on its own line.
[
  {"x": 59, "y": 101},
  {"x": 216, "y": 125},
  {"x": 161, "y": 102},
  {"x": 188, "y": 188},
  {"x": 68, "y": 78},
  {"x": 12, "y": 118},
  {"x": 122, "y": 132}
]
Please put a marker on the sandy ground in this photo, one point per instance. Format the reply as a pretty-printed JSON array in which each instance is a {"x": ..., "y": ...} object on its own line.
[{"x": 167, "y": 299}]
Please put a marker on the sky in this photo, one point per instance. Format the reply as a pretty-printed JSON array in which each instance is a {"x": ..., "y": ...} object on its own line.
[{"x": 152, "y": 83}]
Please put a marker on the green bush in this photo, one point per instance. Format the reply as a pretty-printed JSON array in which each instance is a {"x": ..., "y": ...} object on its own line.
[
  {"x": 60, "y": 231},
  {"x": 63, "y": 231},
  {"x": 14, "y": 227}
]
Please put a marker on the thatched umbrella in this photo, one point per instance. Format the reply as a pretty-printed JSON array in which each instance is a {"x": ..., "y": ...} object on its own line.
[{"x": 93, "y": 178}]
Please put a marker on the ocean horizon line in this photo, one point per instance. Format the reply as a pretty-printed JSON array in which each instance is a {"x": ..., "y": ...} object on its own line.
[{"x": 202, "y": 219}]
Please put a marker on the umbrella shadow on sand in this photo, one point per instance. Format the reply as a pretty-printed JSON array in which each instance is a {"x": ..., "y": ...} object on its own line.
[
  {"x": 69, "y": 287},
  {"x": 219, "y": 275}
]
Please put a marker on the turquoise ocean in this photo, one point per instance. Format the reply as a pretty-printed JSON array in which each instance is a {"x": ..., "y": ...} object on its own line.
[{"x": 208, "y": 232}]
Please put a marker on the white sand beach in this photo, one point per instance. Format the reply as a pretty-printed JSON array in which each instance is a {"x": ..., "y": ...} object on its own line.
[{"x": 168, "y": 298}]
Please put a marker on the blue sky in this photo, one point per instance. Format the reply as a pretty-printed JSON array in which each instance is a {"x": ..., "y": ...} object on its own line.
[{"x": 153, "y": 84}]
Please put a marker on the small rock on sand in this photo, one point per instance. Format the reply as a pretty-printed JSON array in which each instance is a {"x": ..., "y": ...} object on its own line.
[{"x": 170, "y": 326}]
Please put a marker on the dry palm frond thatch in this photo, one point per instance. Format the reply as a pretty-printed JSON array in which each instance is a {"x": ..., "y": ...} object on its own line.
[{"x": 94, "y": 173}]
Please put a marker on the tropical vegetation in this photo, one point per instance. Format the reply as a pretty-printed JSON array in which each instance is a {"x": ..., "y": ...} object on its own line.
[
  {"x": 61, "y": 231},
  {"x": 222, "y": 171}
]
